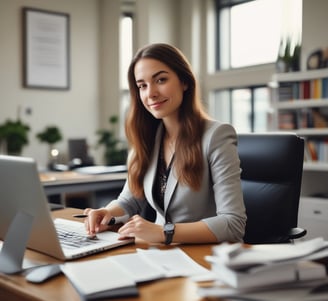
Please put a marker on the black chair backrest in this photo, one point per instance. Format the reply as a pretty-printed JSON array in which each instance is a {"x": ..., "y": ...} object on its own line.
[
  {"x": 272, "y": 166},
  {"x": 77, "y": 148}
]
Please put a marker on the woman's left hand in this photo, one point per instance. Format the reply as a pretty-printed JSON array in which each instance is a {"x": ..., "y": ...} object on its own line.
[{"x": 138, "y": 227}]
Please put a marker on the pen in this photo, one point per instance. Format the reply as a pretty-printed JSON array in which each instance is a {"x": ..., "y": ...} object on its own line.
[{"x": 113, "y": 221}]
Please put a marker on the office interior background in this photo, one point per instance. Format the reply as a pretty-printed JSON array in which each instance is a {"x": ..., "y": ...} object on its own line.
[{"x": 97, "y": 79}]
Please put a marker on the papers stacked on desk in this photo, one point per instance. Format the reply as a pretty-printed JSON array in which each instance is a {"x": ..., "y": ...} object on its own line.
[
  {"x": 241, "y": 269},
  {"x": 101, "y": 169},
  {"x": 118, "y": 276}
]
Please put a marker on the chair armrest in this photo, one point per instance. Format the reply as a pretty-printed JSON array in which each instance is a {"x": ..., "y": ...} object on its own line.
[{"x": 296, "y": 233}]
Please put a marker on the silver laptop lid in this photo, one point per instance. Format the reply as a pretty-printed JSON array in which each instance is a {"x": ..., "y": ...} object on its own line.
[{"x": 21, "y": 191}]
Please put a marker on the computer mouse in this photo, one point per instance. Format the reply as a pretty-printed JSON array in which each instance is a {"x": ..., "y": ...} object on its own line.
[{"x": 43, "y": 273}]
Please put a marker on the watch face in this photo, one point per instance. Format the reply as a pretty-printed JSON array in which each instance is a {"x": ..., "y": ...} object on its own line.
[{"x": 169, "y": 227}]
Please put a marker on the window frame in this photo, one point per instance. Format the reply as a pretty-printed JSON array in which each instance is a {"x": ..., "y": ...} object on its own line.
[
  {"x": 221, "y": 4},
  {"x": 124, "y": 91},
  {"x": 252, "y": 100},
  {"x": 248, "y": 77}
]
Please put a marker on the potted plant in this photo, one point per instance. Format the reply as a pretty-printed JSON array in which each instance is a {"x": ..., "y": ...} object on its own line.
[
  {"x": 51, "y": 135},
  {"x": 296, "y": 57},
  {"x": 284, "y": 55},
  {"x": 14, "y": 134},
  {"x": 115, "y": 152}
]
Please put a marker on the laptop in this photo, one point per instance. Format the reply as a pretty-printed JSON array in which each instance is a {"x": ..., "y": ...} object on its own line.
[{"x": 22, "y": 191}]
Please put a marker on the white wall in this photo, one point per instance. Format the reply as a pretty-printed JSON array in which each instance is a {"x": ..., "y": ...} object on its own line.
[
  {"x": 109, "y": 60},
  {"x": 157, "y": 21},
  {"x": 315, "y": 24}
]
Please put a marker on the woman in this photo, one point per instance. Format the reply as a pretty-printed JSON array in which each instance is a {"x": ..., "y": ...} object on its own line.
[{"x": 181, "y": 162}]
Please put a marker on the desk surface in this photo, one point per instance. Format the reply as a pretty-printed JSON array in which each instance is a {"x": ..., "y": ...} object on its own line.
[
  {"x": 70, "y": 181},
  {"x": 15, "y": 287},
  {"x": 53, "y": 178}
]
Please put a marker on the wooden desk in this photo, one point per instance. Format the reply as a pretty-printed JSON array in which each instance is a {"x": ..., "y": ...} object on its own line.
[
  {"x": 16, "y": 288},
  {"x": 60, "y": 183}
]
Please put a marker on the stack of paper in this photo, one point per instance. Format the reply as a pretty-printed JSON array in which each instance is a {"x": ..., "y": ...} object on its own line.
[
  {"x": 118, "y": 275},
  {"x": 271, "y": 274},
  {"x": 100, "y": 278},
  {"x": 243, "y": 269}
]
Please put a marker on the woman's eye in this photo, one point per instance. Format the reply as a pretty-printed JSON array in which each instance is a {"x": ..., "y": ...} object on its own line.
[
  {"x": 141, "y": 86},
  {"x": 162, "y": 80}
]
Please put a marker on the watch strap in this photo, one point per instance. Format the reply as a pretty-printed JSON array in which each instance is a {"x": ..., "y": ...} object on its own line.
[{"x": 169, "y": 234}]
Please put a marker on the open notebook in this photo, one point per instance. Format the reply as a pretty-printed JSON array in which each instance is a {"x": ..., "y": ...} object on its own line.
[{"x": 22, "y": 191}]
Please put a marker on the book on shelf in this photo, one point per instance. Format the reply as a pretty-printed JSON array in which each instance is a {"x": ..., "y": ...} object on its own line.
[
  {"x": 316, "y": 150},
  {"x": 304, "y": 89},
  {"x": 319, "y": 118},
  {"x": 316, "y": 88},
  {"x": 287, "y": 120},
  {"x": 311, "y": 150},
  {"x": 324, "y": 87},
  {"x": 303, "y": 118},
  {"x": 286, "y": 91}
]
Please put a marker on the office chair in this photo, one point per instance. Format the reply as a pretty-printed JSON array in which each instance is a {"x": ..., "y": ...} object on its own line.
[
  {"x": 78, "y": 153},
  {"x": 78, "y": 156},
  {"x": 272, "y": 166}
]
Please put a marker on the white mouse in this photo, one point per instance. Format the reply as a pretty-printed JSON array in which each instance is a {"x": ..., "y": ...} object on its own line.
[{"x": 43, "y": 273}]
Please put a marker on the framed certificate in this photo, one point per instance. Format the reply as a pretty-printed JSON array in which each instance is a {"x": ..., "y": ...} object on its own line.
[{"x": 46, "y": 49}]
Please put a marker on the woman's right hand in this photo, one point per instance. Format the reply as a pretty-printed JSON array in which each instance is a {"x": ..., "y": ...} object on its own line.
[{"x": 97, "y": 220}]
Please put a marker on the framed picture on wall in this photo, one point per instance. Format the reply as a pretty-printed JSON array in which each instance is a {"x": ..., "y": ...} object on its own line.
[{"x": 46, "y": 49}]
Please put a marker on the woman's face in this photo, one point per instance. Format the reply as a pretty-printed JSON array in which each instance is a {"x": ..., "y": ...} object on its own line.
[{"x": 160, "y": 89}]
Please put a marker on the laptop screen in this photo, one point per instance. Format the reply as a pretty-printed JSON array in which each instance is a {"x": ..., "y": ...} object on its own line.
[{"x": 21, "y": 191}]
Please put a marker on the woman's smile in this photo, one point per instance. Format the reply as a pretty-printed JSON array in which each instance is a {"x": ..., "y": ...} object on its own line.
[{"x": 157, "y": 105}]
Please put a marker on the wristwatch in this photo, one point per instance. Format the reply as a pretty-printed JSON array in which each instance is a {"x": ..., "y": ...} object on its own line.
[{"x": 169, "y": 232}]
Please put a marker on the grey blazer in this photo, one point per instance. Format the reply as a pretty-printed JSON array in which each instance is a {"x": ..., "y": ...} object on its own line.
[{"x": 219, "y": 202}]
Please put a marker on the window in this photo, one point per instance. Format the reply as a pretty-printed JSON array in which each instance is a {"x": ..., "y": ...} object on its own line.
[
  {"x": 126, "y": 53},
  {"x": 241, "y": 109},
  {"x": 126, "y": 48},
  {"x": 249, "y": 31},
  {"x": 261, "y": 110},
  {"x": 247, "y": 109}
]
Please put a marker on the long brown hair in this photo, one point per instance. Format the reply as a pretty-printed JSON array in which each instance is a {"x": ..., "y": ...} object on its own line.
[{"x": 141, "y": 126}]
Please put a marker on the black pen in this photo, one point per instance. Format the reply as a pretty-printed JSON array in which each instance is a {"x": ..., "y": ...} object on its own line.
[{"x": 113, "y": 221}]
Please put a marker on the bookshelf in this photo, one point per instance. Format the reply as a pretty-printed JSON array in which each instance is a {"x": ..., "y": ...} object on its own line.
[{"x": 300, "y": 105}]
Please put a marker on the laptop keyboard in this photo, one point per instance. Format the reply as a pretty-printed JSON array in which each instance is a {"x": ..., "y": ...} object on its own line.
[{"x": 72, "y": 236}]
